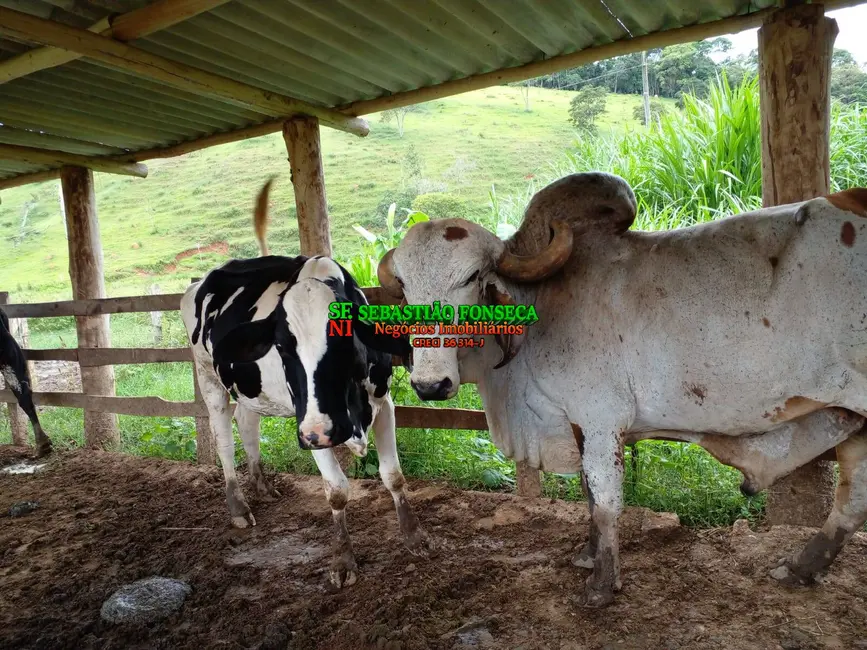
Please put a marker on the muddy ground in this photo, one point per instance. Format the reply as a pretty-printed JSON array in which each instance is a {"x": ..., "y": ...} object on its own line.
[{"x": 106, "y": 519}]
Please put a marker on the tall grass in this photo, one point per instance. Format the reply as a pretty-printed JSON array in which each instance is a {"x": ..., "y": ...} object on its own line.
[{"x": 705, "y": 161}]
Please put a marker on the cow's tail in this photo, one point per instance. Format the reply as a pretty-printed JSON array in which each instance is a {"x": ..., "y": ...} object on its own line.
[{"x": 260, "y": 216}]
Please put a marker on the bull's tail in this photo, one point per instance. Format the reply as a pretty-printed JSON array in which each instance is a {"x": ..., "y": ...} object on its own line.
[{"x": 260, "y": 216}]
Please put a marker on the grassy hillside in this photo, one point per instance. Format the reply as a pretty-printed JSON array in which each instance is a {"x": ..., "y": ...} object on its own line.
[{"x": 194, "y": 211}]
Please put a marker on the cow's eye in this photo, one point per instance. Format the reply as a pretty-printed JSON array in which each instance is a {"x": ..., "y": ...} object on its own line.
[{"x": 471, "y": 279}]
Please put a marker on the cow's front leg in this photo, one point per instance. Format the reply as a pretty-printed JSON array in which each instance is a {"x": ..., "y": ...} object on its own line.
[
  {"x": 586, "y": 557},
  {"x": 248, "y": 428},
  {"x": 603, "y": 467},
  {"x": 415, "y": 538},
  {"x": 343, "y": 568}
]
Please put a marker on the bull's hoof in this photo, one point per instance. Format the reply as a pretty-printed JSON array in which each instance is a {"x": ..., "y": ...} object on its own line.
[
  {"x": 43, "y": 449},
  {"x": 596, "y": 598},
  {"x": 243, "y": 521},
  {"x": 343, "y": 572},
  {"x": 786, "y": 574},
  {"x": 419, "y": 543}
]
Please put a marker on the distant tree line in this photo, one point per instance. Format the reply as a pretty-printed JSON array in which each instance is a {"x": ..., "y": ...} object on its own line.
[{"x": 690, "y": 67}]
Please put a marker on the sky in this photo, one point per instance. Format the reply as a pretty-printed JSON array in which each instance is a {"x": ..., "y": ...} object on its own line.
[{"x": 852, "y": 23}]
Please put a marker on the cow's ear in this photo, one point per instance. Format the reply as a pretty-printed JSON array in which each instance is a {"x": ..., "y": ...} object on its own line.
[
  {"x": 399, "y": 347},
  {"x": 246, "y": 343},
  {"x": 510, "y": 344}
]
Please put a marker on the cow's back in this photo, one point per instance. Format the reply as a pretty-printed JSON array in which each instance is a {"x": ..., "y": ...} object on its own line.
[{"x": 723, "y": 318}]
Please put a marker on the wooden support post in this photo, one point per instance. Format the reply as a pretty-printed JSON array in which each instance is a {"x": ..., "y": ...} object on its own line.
[
  {"x": 17, "y": 418},
  {"x": 795, "y": 49},
  {"x": 301, "y": 135},
  {"x": 529, "y": 480},
  {"x": 206, "y": 442},
  {"x": 86, "y": 273}
]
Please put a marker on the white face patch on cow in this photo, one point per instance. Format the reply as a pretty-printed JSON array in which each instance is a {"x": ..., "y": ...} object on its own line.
[{"x": 306, "y": 305}]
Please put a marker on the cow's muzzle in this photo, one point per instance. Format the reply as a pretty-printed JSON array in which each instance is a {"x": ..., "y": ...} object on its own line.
[{"x": 434, "y": 392}]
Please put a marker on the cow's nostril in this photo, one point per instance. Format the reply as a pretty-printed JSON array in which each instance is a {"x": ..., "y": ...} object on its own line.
[{"x": 435, "y": 391}]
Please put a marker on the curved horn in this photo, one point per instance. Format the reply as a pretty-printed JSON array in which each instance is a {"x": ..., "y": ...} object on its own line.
[
  {"x": 385, "y": 273},
  {"x": 533, "y": 268}
]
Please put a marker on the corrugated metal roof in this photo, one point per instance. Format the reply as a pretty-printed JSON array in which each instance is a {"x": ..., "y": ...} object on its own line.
[{"x": 326, "y": 52}]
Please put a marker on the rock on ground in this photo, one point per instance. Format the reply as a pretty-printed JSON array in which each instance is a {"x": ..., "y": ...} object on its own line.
[{"x": 145, "y": 600}]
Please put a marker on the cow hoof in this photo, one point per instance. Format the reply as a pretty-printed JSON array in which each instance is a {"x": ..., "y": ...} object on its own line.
[
  {"x": 343, "y": 574},
  {"x": 419, "y": 543},
  {"x": 596, "y": 598},
  {"x": 243, "y": 521},
  {"x": 784, "y": 575},
  {"x": 43, "y": 450}
]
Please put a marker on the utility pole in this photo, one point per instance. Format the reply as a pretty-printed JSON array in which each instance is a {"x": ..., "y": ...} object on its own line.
[{"x": 646, "y": 86}]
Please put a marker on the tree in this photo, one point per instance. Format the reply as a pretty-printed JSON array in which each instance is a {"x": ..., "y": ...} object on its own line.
[
  {"x": 849, "y": 84},
  {"x": 587, "y": 104},
  {"x": 398, "y": 115},
  {"x": 842, "y": 57}
]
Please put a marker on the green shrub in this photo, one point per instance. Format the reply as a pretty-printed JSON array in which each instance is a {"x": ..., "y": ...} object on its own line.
[{"x": 438, "y": 205}]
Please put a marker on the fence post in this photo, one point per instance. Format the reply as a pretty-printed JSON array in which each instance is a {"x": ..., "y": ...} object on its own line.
[
  {"x": 86, "y": 272},
  {"x": 17, "y": 417},
  {"x": 206, "y": 445},
  {"x": 529, "y": 480},
  {"x": 156, "y": 318}
]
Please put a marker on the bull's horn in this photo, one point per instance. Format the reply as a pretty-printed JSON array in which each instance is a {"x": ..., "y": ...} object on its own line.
[
  {"x": 533, "y": 268},
  {"x": 385, "y": 273}
]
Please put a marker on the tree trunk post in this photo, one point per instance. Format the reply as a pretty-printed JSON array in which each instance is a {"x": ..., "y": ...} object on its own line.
[
  {"x": 301, "y": 135},
  {"x": 17, "y": 418},
  {"x": 86, "y": 273},
  {"x": 795, "y": 49}
]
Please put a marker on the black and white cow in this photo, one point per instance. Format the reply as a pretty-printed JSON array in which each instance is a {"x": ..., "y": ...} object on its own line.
[
  {"x": 13, "y": 367},
  {"x": 259, "y": 332}
]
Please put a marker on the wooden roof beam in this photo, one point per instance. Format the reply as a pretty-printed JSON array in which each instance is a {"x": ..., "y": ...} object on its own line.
[
  {"x": 125, "y": 27},
  {"x": 126, "y": 57},
  {"x": 35, "y": 156}
]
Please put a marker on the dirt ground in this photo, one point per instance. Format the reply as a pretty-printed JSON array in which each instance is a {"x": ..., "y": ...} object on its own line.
[{"x": 499, "y": 579}]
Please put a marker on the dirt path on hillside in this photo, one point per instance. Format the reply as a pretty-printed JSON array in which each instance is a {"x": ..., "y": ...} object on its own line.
[{"x": 501, "y": 567}]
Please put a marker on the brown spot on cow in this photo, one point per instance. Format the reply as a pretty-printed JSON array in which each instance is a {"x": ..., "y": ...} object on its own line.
[
  {"x": 853, "y": 200},
  {"x": 453, "y": 233},
  {"x": 618, "y": 457},
  {"x": 794, "y": 408},
  {"x": 697, "y": 391},
  {"x": 766, "y": 322},
  {"x": 774, "y": 261},
  {"x": 847, "y": 234},
  {"x": 662, "y": 293}
]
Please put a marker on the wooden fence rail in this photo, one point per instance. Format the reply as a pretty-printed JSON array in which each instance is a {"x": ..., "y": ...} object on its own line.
[{"x": 406, "y": 416}]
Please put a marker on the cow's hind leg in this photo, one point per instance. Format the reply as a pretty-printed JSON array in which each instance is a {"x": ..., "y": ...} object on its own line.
[
  {"x": 415, "y": 538},
  {"x": 220, "y": 415},
  {"x": 343, "y": 567},
  {"x": 847, "y": 516},
  {"x": 19, "y": 384},
  {"x": 248, "y": 427}
]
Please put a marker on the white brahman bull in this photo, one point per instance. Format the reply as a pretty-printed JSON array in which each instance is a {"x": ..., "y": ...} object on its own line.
[{"x": 746, "y": 335}]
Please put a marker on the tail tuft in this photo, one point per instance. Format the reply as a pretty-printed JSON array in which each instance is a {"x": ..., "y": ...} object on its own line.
[{"x": 260, "y": 216}]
